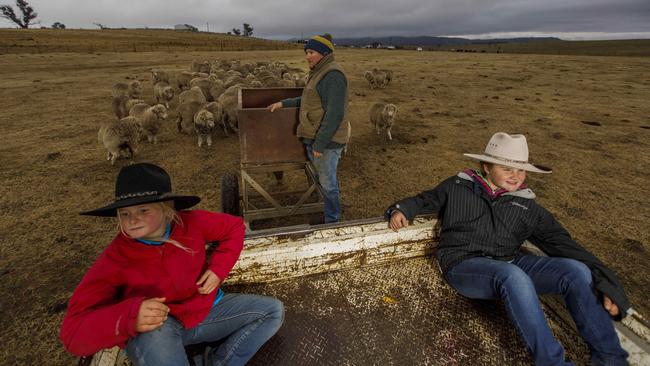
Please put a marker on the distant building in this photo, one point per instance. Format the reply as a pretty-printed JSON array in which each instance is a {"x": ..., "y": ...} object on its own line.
[
  {"x": 186, "y": 27},
  {"x": 419, "y": 49}
]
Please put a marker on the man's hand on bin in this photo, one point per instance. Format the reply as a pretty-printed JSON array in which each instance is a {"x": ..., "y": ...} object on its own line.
[{"x": 274, "y": 106}]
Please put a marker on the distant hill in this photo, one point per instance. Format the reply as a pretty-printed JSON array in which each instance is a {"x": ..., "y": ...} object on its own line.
[
  {"x": 428, "y": 41},
  {"x": 533, "y": 45}
]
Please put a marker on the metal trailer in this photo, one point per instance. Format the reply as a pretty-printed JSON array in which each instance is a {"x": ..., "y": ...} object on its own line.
[
  {"x": 268, "y": 144},
  {"x": 352, "y": 317}
]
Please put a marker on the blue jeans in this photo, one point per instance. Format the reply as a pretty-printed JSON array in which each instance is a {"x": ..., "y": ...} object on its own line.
[
  {"x": 243, "y": 322},
  {"x": 326, "y": 169},
  {"x": 519, "y": 282}
]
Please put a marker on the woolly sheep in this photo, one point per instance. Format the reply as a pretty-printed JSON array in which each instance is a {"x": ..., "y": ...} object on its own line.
[
  {"x": 186, "y": 112},
  {"x": 200, "y": 66},
  {"x": 183, "y": 80},
  {"x": 150, "y": 118},
  {"x": 205, "y": 84},
  {"x": 119, "y": 106},
  {"x": 204, "y": 125},
  {"x": 133, "y": 102},
  {"x": 230, "y": 102},
  {"x": 217, "y": 112},
  {"x": 377, "y": 79},
  {"x": 388, "y": 75},
  {"x": 120, "y": 138},
  {"x": 161, "y": 75},
  {"x": 131, "y": 90},
  {"x": 194, "y": 94},
  {"x": 382, "y": 116},
  {"x": 300, "y": 80},
  {"x": 163, "y": 93}
]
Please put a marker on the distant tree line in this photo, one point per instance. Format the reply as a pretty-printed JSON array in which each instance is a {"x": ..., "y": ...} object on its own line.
[{"x": 247, "y": 31}]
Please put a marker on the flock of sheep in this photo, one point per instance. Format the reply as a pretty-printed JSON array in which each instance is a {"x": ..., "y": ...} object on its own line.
[{"x": 204, "y": 97}]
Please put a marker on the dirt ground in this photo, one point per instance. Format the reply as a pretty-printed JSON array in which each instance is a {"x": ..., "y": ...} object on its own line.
[{"x": 587, "y": 117}]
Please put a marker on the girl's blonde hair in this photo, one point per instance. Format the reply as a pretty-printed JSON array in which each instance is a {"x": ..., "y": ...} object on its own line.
[{"x": 169, "y": 215}]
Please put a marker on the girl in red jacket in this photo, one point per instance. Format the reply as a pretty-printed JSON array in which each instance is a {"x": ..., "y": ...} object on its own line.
[{"x": 153, "y": 292}]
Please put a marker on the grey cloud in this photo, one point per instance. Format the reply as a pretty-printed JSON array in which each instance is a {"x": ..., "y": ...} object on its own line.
[{"x": 344, "y": 18}]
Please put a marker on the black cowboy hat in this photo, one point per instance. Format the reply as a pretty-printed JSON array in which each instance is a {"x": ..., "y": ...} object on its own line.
[{"x": 142, "y": 183}]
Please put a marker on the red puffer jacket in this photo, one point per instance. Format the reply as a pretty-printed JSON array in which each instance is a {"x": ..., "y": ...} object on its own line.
[{"x": 103, "y": 309}]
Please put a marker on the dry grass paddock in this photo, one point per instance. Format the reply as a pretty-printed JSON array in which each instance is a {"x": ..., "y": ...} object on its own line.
[{"x": 586, "y": 116}]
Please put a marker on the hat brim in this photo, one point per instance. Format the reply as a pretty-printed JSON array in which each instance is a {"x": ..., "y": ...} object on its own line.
[
  {"x": 180, "y": 203},
  {"x": 524, "y": 166}
]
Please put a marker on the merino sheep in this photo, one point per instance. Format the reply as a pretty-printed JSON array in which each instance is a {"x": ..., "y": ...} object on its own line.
[
  {"x": 194, "y": 94},
  {"x": 133, "y": 102},
  {"x": 386, "y": 74},
  {"x": 370, "y": 77},
  {"x": 382, "y": 116},
  {"x": 161, "y": 75},
  {"x": 135, "y": 89},
  {"x": 186, "y": 112},
  {"x": 217, "y": 112},
  {"x": 131, "y": 90},
  {"x": 230, "y": 102},
  {"x": 200, "y": 66},
  {"x": 204, "y": 125},
  {"x": 163, "y": 93},
  {"x": 205, "y": 84},
  {"x": 119, "y": 106},
  {"x": 120, "y": 138},
  {"x": 150, "y": 118}
]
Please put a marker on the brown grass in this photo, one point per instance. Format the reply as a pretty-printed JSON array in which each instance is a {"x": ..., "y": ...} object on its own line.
[
  {"x": 128, "y": 40},
  {"x": 51, "y": 165}
]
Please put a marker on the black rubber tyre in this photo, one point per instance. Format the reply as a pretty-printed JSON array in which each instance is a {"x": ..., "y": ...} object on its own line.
[{"x": 230, "y": 194}]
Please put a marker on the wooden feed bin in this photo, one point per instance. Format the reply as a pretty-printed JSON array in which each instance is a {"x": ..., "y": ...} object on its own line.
[{"x": 268, "y": 144}]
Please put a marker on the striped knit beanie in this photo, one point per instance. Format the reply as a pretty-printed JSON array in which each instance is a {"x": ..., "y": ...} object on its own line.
[{"x": 321, "y": 44}]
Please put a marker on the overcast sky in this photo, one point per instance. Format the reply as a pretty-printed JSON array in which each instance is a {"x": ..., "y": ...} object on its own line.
[{"x": 282, "y": 19}]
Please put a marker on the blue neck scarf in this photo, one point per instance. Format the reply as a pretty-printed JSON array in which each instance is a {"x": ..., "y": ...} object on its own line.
[{"x": 168, "y": 231}]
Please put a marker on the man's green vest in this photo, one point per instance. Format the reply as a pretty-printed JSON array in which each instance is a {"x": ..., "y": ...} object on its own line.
[{"x": 311, "y": 107}]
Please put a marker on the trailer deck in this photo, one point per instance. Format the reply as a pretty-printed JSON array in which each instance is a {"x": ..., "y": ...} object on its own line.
[{"x": 400, "y": 313}]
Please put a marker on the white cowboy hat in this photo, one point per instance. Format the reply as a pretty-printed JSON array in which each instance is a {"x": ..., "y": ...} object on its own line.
[{"x": 508, "y": 150}]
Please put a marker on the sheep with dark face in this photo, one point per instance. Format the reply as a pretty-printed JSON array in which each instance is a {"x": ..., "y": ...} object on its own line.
[
  {"x": 120, "y": 138},
  {"x": 204, "y": 126},
  {"x": 163, "y": 93},
  {"x": 382, "y": 116},
  {"x": 150, "y": 118}
]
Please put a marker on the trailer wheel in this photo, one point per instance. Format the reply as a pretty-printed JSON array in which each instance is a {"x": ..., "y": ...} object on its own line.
[{"x": 230, "y": 194}]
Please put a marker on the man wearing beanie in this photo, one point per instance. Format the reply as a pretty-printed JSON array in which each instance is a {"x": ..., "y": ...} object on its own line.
[{"x": 324, "y": 127}]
